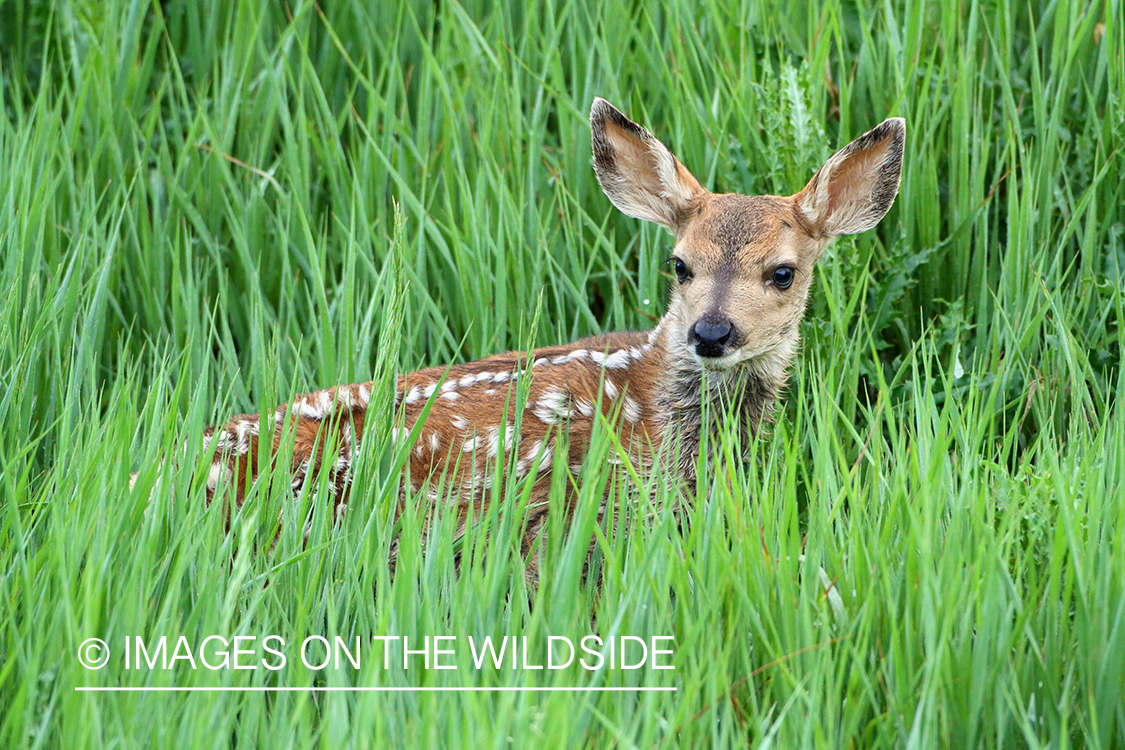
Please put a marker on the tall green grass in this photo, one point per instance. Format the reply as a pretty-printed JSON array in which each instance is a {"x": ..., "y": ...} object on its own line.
[{"x": 198, "y": 207}]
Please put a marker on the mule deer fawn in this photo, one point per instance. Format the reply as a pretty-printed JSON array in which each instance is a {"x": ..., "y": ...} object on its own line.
[{"x": 743, "y": 267}]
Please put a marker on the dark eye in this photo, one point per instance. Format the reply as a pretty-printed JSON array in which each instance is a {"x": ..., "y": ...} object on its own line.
[
  {"x": 783, "y": 277},
  {"x": 682, "y": 272}
]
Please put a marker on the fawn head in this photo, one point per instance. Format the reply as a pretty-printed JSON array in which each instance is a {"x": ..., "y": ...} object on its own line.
[{"x": 743, "y": 263}]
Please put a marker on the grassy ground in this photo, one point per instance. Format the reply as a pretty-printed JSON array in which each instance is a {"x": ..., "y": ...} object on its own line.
[{"x": 198, "y": 208}]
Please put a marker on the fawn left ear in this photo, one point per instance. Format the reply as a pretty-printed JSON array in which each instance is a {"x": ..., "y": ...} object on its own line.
[
  {"x": 637, "y": 172},
  {"x": 857, "y": 185}
]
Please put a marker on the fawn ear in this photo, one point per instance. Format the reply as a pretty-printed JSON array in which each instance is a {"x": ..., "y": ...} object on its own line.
[
  {"x": 637, "y": 172},
  {"x": 857, "y": 185}
]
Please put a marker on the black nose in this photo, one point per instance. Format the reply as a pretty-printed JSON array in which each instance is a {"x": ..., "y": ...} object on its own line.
[{"x": 710, "y": 335}]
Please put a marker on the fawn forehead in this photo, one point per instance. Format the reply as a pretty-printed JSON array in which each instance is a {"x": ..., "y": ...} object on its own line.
[{"x": 731, "y": 234}]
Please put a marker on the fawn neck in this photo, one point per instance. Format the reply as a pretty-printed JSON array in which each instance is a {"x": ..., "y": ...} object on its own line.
[{"x": 688, "y": 399}]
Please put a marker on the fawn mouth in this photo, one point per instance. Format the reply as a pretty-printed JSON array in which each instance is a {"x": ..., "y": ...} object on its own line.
[{"x": 731, "y": 359}]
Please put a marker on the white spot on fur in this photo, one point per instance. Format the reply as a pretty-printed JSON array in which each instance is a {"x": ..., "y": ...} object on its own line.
[
  {"x": 610, "y": 389},
  {"x": 451, "y": 396},
  {"x": 479, "y": 377},
  {"x": 364, "y": 395},
  {"x": 631, "y": 409},
  {"x": 212, "y": 442},
  {"x": 576, "y": 354},
  {"x": 345, "y": 397},
  {"x": 469, "y": 445},
  {"x": 299, "y": 475},
  {"x": 303, "y": 408},
  {"x": 429, "y": 390},
  {"x": 245, "y": 430},
  {"x": 413, "y": 395},
  {"x": 342, "y": 465},
  {"x": 546, "y": 457},
  {"x": 435, "y": 441},
  {"x": 218, "y": 473},
  {"x": 619, "y": 360},
  {"x": 459, "y": 422},
  {"x": 475, "y": 482},
  {"x": 313, "y": 406},
  {"x": 493, "y": 441},
  {"x": 501, "y": 377},
  {"x": 537, "y": 450},
  {"x": 551, "y": 406},
  {"x": 584, "y": 407}
]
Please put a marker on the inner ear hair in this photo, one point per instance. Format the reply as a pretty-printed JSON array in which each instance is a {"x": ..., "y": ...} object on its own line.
[
  {"x": 856, "y": 187},
  {"x": 637, "y": 172}
]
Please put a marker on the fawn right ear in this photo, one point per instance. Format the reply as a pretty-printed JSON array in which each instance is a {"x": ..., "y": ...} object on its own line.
[
  {"x": 857, "y": 185},
  {"x": 637, "y": 172}
]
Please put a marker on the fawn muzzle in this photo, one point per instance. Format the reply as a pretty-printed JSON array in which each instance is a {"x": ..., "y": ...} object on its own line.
[{"x": 711, "y": 335}]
